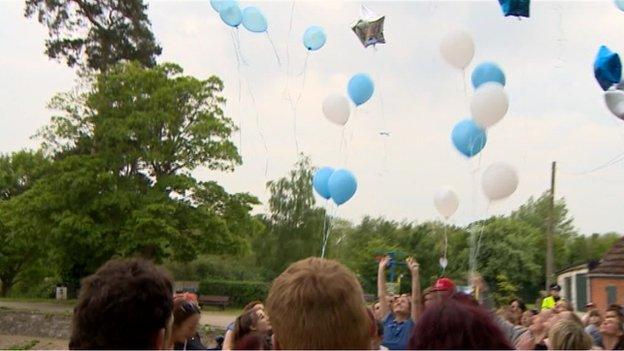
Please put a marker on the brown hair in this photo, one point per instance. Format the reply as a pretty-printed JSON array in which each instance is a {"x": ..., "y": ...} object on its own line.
[
  {"x": 124, "y": 305},
  {"x": 251, "y": 305},
  {"x": 183, "y": 310},
  {"x": 569, "y": 335},
  {"x": 318, "y": 304}
]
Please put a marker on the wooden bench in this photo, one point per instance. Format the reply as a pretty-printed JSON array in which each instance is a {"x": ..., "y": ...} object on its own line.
[{"x": 213, "y": 300}]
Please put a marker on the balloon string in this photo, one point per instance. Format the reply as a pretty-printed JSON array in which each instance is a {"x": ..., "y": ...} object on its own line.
[
  {"x": 240, "y": 112},
  {"x": 238, "y": 47},
  {"x": 292, "y": 11},
  {"x": 342, "y": 143},
  {"x": 445, "y": 250},
  {"x": 324, "y": 232},
  {"x": 348, "y": 144},
  {"x": 329, "y": 227},
  {"x": 266, "y": 147},
  {"x": 478, "y": 248},
  {"x": 465, "y": 83},
  {"x": 294, "y": 106},
  {"x": 279, "y": 63},
  {"x": 384, "y": 133}
]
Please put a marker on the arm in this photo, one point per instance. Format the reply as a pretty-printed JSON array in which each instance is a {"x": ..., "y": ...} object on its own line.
[
  {"x": 228, "y": 341},
  {"x": 416, "y": 305},
  {"x": 381, "y": 287}
]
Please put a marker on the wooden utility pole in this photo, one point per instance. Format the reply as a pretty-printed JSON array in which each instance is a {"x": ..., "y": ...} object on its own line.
[{"x": 550, "y": 264}]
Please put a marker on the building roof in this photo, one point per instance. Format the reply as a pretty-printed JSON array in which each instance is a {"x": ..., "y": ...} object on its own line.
[
  {"x": 613, "y": 261},
  {"x": 577, "y": 267}
]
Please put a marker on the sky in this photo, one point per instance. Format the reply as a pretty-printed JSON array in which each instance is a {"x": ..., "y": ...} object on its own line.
[{"x": 556, "y": 112}]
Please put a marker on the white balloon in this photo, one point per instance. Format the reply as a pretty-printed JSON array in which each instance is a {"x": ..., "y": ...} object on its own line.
[
  {"x": 443, "y": 262},
  {"x": 499, "y": 181},
  {"x": 337, "y": 109},
  {"x": 457, "y": 48},
  {"x": 489, "y": 104},
  {"x": 615, "y": 102},
  {"x": 445, "y": 200}
]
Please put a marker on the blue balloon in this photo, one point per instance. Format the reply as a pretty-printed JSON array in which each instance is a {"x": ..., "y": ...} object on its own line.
[
  {"x": 254, "y": 20},
  {"x": 360, "y": 88},
  {"x": 519, "y": 8},
  {"x": 314, "y": 38},
  {"x": 619, "y": 4},
  {"x": 487, "y": 72},
  {"x": 219, "y": 5},
  {"x": 320, "y": 181},
  {"x": 607, "y": 68},
  {"x": 231, "y": 15},
  {"x": 342, "y": 186},
  {"x": 468, "y": 137}
]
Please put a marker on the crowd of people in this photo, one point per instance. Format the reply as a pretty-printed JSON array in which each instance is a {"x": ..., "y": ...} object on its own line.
[{"x": 319, "y": 304}]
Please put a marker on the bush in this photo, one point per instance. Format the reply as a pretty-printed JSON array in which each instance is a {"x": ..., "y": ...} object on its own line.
[{"x": 240, "y": 292}]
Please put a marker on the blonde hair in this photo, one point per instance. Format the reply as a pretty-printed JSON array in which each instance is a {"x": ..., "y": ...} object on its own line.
[
  {"x": 318, "y": 304},
  {"x": 569, "y": 335}
]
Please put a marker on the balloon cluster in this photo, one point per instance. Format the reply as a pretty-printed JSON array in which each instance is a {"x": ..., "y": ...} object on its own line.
[
  {"x": 489, "y": 103},
  {"x": 336, "y": 107},
  {"x": 608, "y": 73},
  {"x": 339, "y": 185},
  {"x": 231, "y": 14}
]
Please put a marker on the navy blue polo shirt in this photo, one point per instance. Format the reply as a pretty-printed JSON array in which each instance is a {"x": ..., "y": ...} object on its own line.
[{"x": 396, "y": 335}]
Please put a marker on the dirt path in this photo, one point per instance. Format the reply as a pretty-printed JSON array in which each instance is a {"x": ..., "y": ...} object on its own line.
[{"x": 31, "y": 342}]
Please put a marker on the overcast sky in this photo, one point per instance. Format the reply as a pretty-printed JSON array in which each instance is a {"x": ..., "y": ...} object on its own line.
[{"x": 557, "y": 112}]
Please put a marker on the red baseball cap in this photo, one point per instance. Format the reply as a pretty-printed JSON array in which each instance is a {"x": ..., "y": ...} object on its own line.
[{"x": 444, "y": 284}]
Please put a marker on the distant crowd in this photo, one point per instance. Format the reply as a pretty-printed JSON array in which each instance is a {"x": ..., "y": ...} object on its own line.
[{"x": 319, "y": 304}]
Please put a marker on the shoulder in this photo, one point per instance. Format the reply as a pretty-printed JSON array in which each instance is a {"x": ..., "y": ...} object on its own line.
[{"x": 389, "y": 318}]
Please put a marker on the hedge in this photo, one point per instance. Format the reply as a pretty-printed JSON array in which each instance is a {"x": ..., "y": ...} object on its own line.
[{"x": 240, "y": 292}]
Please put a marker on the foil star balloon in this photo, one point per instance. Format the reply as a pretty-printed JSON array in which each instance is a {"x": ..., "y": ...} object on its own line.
[{"x": 369, "y": 28}]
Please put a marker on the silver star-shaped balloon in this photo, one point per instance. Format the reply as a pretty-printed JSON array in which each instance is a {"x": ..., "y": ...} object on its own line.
[{"x": 369, "y": 28}]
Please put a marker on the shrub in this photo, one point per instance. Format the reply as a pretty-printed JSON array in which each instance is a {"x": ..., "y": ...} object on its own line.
[{"x": 240, "y": 292}]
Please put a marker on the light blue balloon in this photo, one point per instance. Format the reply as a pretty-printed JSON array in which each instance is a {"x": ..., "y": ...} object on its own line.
[
  {"x": 320, "y": 181},
  {"x": 254, "y": 20},
  {"x": 342, "y": 186},
  {"x": 231, "y": 15},
  {"x": 314, "y": 38},
  {"x": 487, "y": 72},
  {"x": 619, "y": 4},
  {"x": 360, "y": 88},
  {"x": 219, "y": 5},
  {"x": 468, "y": 137}
]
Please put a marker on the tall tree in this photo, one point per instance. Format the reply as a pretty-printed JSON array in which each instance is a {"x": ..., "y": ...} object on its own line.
[
  {"x": 121, "y": 183},
  {"x": 294, "y": 224},
  {"x": 96, "y": 34},
  {"x": 20, "y": 247}
]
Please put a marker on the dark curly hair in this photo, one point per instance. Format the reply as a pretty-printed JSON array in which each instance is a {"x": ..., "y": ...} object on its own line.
[{"x": 124, "y": 305}]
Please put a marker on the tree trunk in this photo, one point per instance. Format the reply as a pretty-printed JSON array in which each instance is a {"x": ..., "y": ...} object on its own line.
[{"x": 5, "y": 287}]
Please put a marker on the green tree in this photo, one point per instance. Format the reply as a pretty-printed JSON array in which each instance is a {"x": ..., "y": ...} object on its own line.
[
  {"x": 294, "y": 225},
  {"x": 20, "y": 247},
  {"x": 96, "y": 34},
  {"x": 121, "y": 183}
]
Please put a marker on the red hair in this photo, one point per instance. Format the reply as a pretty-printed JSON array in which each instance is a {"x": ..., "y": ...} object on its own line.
[{"x": 457, "y": 323}]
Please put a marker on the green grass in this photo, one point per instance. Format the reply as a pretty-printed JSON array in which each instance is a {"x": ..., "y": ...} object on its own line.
[{"x": 26, "y": 346}]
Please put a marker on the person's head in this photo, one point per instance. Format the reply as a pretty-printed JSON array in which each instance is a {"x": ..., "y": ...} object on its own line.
[
  {"x": 402, "y": 305},
  {"x": 527, "y": 318},
  {"x": 457, "y": 323},
  {"x": 540, "y": 321},
  {"x": 612, "y": 327},
  {"x": 614, "y": 311},
  {"x": 428, "y": 297},
  {"x": 318, "y": 304},
  {"x": 186, "y": 316},
  {"x": 554, "y": 290},
  {"x": 126, "y": 304},
  {"x": 517, "y": 306},
  {"x": 563, "y": 305},
  {"x": 594, "y": 318},
  {"x": 569, "y": 335},
  {"x": 253, "y": 321},
  {"x": 377, "y": 311},
  {"x": 254, "y": 305}
]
